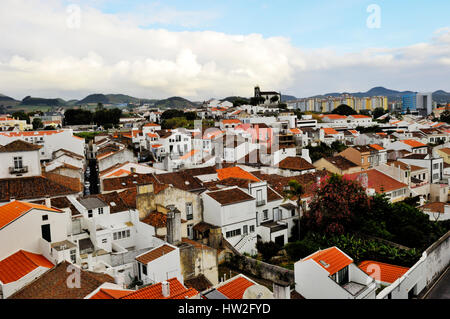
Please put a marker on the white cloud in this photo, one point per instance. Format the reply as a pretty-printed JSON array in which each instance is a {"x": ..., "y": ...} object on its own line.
[{"x": 40, "y": 53}]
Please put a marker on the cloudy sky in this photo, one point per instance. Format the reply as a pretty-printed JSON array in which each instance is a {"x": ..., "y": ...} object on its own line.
[{"x": 203, "y": 49}]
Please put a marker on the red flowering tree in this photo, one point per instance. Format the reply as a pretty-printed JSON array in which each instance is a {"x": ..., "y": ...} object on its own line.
[{"x": 337, "y": 205}]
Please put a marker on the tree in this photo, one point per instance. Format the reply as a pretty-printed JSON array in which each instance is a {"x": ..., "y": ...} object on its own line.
[
  {"x": 295, "y": 192},
  {"x": 21, "y": 115},
  {"x": 169, "y": 114},
  {"x": 344, "y": 109},
  {"x": 445, "y": 116},
  {"x": 268, "y": 250},
  {"x": 335, "y": 203},
  {"x": 274, "y": 99},
  {"x": 37, "y": 123},
  {"x": 78, "y": 117},
  {"x": 379, "y": 111}
]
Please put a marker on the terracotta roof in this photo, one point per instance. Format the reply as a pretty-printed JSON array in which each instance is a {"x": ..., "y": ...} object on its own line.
[
  {"x": 404, "y": 166},
  {"x": 436, "y": 207},
  {"x": 52, "y": 284},
  {"x": 31, "y": 133},
  {"x": 129, "y": 197},
  {"x": 177, "y": 291},
  {"x": 377, "y": 147},
  {"x": 19, "y": 146},
  {"x": 341, "y": 162},
  {"x": 110, "y": 294},
  {"x": 230, "y": 196},
  {"x": 21, "y": 263},
  {"x": 154, "y": 254},
  {"x": 330, "y": 259},
  {"x": 235, "y": 172},
  {"x": 445, "y": 150},
  {"x": 335, "y": 116},
  {"x": 272, "y": 195},
  {"x": 132, "y": 181},
  {"x": 183, "y": 180},
  {"x": 157, "y": 219},
  {"x": 235, "y": 288},
  {"x": 231, "y": 122},
  {"x": 378, "y": 181},
  {"x": 413, "y": 143},
  {"x": 199, "y": 283},
  {"x": 359, "y": 116},
  {"x": 119, "y": 204},
  {"x": 295, "y": 164},
  {"x": 11, "y": 211},
  {"x": 382, "y": 272},
  {"x": 329, "y": 131}
]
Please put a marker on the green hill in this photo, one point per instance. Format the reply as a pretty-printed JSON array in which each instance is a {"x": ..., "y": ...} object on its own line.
[{"x": 174, "y": 103}]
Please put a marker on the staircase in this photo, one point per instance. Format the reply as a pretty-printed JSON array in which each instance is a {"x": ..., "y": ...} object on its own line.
[{"x": 244, "y": 240}]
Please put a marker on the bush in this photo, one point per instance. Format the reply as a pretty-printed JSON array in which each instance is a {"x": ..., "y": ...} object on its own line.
[{"x": 268, "y": 250}]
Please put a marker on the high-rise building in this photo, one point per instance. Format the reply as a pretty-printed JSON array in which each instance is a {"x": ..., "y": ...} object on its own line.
[{"x": 409, "y": 103}]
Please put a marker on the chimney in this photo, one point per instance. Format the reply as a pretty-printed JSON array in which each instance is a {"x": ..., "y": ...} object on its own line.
[
  {"x": 48, "y": 201},
  {"x": 165, "y": 286},
  {"x": 12, "y": 199},
  {"x": 281, "y": 290},
  {"x": 173, "y": 225}
]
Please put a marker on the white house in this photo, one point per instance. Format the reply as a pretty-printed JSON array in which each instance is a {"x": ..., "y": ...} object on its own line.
[
  {"x": 19, "y": 159},
  {"x": 331, "y": 274},
  {"x": 234, "y": 211},
  {"x": 159, "y": 264}
]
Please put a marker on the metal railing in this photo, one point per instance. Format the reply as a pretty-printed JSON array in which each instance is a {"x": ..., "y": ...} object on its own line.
[{"x": 18, "y": 170}]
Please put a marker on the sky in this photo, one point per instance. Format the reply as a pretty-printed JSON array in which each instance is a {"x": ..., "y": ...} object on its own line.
[{"x": 206, "y": 49}]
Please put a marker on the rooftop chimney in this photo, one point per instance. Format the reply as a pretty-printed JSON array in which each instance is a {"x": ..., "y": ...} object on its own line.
[
  {"x": 48, "y": 201},
  {"x": 173, "y": 225},
  {"x": 165, "y": 286}
]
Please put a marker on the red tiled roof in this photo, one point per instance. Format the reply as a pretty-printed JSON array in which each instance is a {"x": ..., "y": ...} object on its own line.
[
  {"x": 177, "y": 291},
  {"x": 359, "y": 116},
  {"x": 382, "y": 272},
  {"x": 231, "y": 122},
  {"x": 335, "y": 116},
  {"x": 20, "y": 264},
  {"x": 230, "y": 196},
  {"x": 110, "y": 294},
  {"x": 19, "y": 146},
  {"x": 333, "y": 258},
  {"x": 235, "y": 288},
  {"x": 15, "y": 209},
  {"x": 378, "y": 181},
  {"x": 413, "y": 143},
  {"x": 154, "y": 254},
  {"x": 295, "y": 163},
  {"x": 235, "y": 172},
  {"x": 329, "y": 131}
]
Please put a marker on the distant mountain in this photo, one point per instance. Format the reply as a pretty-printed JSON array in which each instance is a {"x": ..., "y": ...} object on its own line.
[
  {"x": 175, "y": 102},
  {"x": 5, "y": 98},
  {"x": 111, "y": 99},
  {"x": 36, "y": 101},
  {"x": 285, "y": 98},
  {"x": 393, "y": 95}
]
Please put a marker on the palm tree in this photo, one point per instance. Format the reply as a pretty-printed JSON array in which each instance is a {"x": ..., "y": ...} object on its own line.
[{"x": 295, "y": 191}]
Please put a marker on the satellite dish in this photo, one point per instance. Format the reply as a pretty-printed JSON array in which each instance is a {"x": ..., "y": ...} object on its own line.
[{"x": 257, "y": 292}]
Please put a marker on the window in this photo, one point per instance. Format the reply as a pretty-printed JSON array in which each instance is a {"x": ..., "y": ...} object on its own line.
[
  {"x": 189, "y": 211},
  {"x": 45, "y": 217},
  {"x": 104, "y": 241},
  {"x": 342, "y": 276},
  {"x": 100, "y": 211},
  {"x": 73, "y": 256},
  {"x": 144, "y": 269},
  {"x": 436, "y": 166},
  {"x": 292, "y": 212},
  {"x": 252, "y": 228},
  {"x": 18, "y": 162},
  {"x": 233, "y": 233},
  {"x": 90, "y": 213},
  {"x": 265, "y": 214},
  {"x": 245, "y": 230},
  {"x": 115, "y": 236}
]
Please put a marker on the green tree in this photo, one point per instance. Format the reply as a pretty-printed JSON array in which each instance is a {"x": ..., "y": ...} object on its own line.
[
  {"x": 379, "y": 111},
  {"x": 268, "y": 250},
  {"x": 37, "y": 123},
  {"x": 295, "y": 192},
  {"x": 445, "y": 116},
  {"x": 344, "y": 109},
  {"x": 21, "y": 115}
]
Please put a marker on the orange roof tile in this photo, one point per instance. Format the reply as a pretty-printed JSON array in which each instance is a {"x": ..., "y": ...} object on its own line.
[
  {"x": 377, "y": 147},
  {"x": 235, "y": 289},
  {"x": 190, "y": 154},
  {"x": 382, "y": 183},
  {"x": 110, "y": 294},
  {"x": 413, "y": 143},
  {"x": 382, "y": 272},
  {"x": 152, "y": 135},
  {"x": 231, "y": 122},
  {"x": 335, "y": 116},
  {"x": 358, "y": 116},
  {"x": 151, "y": 124},
  {"x": 329, "y": 131},
  {"x": 333, "y": 258},
  {"x": 156, "y": 145},
  {"x": 119, "y": 172},
  {"x": 177, "y": 291},
  {"x": 235, "y": 172},
  {"x": 13, "y": 210},
  {"x": 20, "y": 264},
  {"x": 295, "y": 131},
  {"x": 154, "y": 254}
]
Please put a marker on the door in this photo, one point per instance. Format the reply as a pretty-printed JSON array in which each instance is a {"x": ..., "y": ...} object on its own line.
[
  {"x": 279, "y": 240},
  {"x": 46, "y": 233}
]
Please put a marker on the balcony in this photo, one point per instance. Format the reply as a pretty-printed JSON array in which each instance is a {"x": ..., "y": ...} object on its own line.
[{"x": 18, "y": 170}]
